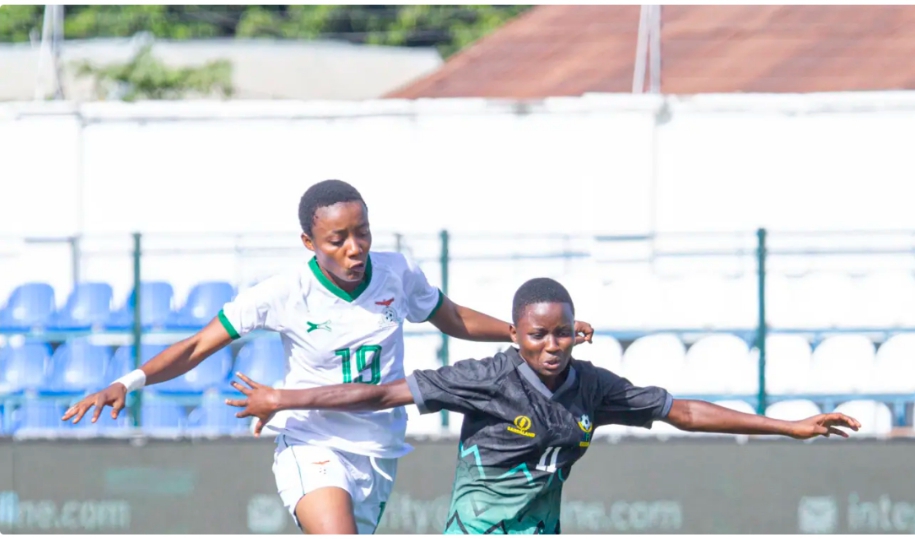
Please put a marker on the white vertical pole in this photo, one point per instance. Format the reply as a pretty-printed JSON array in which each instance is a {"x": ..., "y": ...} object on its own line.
[
  {"x": 655, "y": 50},
  {"x": 52, "y": 32},
  {"x": 641, "y": 50}
]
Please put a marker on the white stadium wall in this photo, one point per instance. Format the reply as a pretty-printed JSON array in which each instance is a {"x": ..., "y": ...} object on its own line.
[
  {"x": 214, "y": 187},
  {"x": 599, "y": 164},
  {"x": 596, "y": 164},
  {"x": 420, "y": 172},
  {"x": 811, "y": 163}
]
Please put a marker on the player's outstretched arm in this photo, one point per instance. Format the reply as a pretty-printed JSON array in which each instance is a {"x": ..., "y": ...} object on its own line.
[
  {"x": 700, "y": 416},
  {"x": 465, "y": 323},
  {"x": 263, "y": 401},
  {"x": 172, "y": 362}
]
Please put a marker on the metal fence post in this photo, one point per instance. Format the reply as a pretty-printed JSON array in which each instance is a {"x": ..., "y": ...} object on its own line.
[
  {"x": 137, "y": 323},
  {"x": 75, "y": 259},
  {"x": 443, "y": 355},
  {"x": 761, "y": 324}
]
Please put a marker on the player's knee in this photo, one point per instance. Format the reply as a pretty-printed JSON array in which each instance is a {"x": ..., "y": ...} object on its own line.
[{"x": 326, "y": 511}]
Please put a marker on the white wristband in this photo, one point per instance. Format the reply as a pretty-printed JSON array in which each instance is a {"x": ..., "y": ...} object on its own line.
[{"x": 133, "y": 380}]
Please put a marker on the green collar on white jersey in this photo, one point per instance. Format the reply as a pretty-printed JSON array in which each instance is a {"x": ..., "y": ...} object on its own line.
[{"x": 336, "y": 290}]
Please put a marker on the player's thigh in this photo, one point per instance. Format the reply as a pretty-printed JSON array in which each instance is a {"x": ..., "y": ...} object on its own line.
[
  {"x": 315, "y": 487},
  {"x": 373, "y": 489},
  {"x": 327, "y": 510}
]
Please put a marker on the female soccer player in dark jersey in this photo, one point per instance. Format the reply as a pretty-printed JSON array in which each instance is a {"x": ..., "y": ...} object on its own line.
[{"x": 529, "y": 414}]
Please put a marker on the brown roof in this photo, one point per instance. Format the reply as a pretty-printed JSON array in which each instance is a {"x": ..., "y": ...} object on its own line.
[{"x": 570, "y": 50}]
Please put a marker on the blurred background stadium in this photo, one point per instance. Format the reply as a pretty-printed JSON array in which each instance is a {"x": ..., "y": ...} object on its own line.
[{"x": 726, "y": 192}]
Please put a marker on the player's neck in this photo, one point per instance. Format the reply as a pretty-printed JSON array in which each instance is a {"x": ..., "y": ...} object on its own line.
[
  {"x": 343, "y": 285},
  {"x": 332, "y": 281},
  {"x": 554, "y": 382}
]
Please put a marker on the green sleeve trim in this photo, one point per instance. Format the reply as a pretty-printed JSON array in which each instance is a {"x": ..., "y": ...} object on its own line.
[
  {"x": 228, "y": 325},
  {"x": 441, "y": 298}
]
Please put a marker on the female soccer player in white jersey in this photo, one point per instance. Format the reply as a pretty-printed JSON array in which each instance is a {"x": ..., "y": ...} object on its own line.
[{"x": 341, "y": 321}]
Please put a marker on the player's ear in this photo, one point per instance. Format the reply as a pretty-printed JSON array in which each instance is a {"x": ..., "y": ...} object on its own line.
[
  {"x": 306, "y": 241},
  {"x": 513, "y": 332}
]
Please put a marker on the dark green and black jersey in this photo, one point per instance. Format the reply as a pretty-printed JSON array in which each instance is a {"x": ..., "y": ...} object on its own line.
[{"x": 519, "y": 440}]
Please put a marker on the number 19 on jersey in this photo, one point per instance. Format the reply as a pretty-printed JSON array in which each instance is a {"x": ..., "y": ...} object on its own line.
[{"x": 362, "y": 362}]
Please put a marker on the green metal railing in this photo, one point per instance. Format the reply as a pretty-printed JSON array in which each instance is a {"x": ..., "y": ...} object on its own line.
[
  {"x": 767, "y": 254},
  {"x": 442, "y": 249},
  {"x": 445, "y": 260},
  {"x": 761, "y": 322},
  {"x": 136, "y": 404},
  {"x": 443, "y": 354}
]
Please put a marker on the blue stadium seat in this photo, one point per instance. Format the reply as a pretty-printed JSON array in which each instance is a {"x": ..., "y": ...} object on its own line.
[
  {"x": 88, "y": 307},
  {"x": 162, "y": 414},
  {"x": 203, "y": 303},
  {"x": 23, "y": 368},
  {"x": 123, "y": 361},
  {"x": 211, "y": 373},
  {"x": 262, "y": 360},
  {"x": 77, "y": 367},
  {"x": 39, "y": 414},
  {"x": 214, "y": 416},
  {"x": 155, "y": 307},
  {"x": 30, "y": 307}
]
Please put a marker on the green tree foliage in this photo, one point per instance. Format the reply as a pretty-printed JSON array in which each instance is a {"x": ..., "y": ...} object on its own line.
[
  {"x": 145, "y": 77},
  {"x": 448, "y": 28},
  {"x": 17, "y": 21}
]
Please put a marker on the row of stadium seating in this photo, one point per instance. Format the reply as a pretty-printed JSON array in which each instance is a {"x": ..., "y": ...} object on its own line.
[
  {"x": 876, "y": 417},
  {"x": 36, "y": 386},
  {"x": 212, "y": 416},
  {"x": 648, "y": 301},
  {"x": 724, "y": 364},
  {"x": 717, "y": 364},
  {"x": 840, "y": 368},
  {"x": 645, "y": 301},
  {"x": 159, "y": 417},
  {"x": 33, "y": 307},
  {"x": 78, "y": 367}
]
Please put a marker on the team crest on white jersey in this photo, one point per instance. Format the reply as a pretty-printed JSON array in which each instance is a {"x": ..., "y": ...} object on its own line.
[{"x": 389, "y": 315}]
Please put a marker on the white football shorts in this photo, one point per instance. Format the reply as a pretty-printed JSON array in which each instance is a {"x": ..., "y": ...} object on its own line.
[{"x": 302, "y": 468}]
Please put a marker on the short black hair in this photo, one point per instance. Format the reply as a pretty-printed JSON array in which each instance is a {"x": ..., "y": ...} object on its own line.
[
  {"x": 321, "y": 195},
  {"x": 539, "y": 290}
]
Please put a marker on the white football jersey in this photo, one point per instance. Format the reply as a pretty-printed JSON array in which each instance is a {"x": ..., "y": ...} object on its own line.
[{"x": 331, "y": 337}]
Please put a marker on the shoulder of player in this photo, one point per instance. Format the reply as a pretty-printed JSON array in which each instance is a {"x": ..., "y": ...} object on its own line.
[
  {"x": 280, "y": 284},
  {"x": 493, "y": 367},
  {"x": 389, "y": 261},
  {"x": 583, "y": 366},
  {"x": 589, "y": 372},
  {"x": 395, "y": 266}
]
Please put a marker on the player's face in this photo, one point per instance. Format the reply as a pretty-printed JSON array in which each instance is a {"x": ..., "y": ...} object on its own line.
[
  {"x": 545, "y": 335},
  {"x": 340, "y": 239}
]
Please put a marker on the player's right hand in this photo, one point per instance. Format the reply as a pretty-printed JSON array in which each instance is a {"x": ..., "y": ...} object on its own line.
[
  {"x": 260, "y": 401},
  {"x": 114, "y": 395},
  {"x": 823, "y": 425}
]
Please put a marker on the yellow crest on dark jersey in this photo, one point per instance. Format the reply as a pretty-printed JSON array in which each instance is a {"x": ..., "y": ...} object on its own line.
[
  {"x": 584, "y": 423},
  {"x": 522, "y": 426}
]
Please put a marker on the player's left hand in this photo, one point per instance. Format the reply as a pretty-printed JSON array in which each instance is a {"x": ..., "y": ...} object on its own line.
[
  {"x": 824, "y": 425},
  {"x": 260, "y": 401},
  {"x": 583, "y": 332}
]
